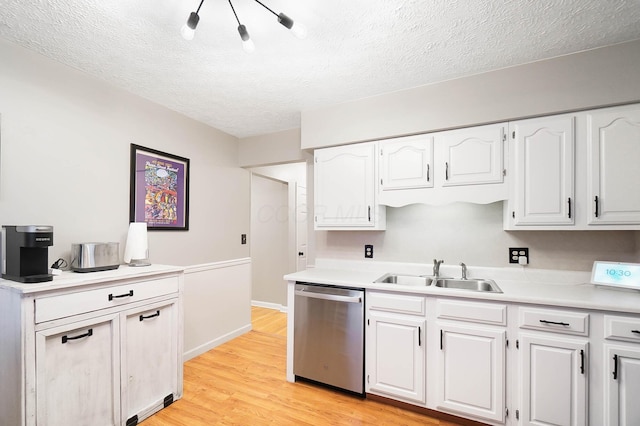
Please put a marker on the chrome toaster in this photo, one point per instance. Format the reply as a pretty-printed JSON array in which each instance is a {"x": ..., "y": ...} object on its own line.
[{"x": 93, "y": 257}]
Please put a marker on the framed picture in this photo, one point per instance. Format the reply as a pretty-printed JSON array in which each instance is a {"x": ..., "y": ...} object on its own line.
[{"x": 159, "y": 193}]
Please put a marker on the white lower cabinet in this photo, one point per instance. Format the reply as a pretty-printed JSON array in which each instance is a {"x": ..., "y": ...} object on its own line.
[
  {"x": 395, "y": 353},
  {"x": 564, "y": 366},
  {"x": 621, "y": 370},
  {"x": 101, "y": 352},
  {"x": 76, "y": 373},
  {"x": 471, "y": 371},
  {"x": 553, "y": 380},
  {"x": 149, "y": 365},
  {"x": 471, "y": 359}
]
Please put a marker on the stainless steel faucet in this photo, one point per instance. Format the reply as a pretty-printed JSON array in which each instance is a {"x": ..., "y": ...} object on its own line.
[
  {"x": 436, "y": 267},
  {"x": 464, "y": 271}
]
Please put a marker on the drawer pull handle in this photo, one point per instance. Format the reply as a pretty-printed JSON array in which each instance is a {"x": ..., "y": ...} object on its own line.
[
  {"x": 427, "y": 172},
  {"x": 142, "y": 317},
  {"x": 111, "y": 296},
  {"x": 554, "y": 323},
  {"x": 615, "y": 367},
  {"x": 595, "y": 200},
  {"x": 581, "y": 361},
  {"x": 635, "y": 331},
  {"x": 446, "y": 171},
  {"x": 419, "y": 336},
  {"x": 569, "y": 201},
  {"x": 89, "y": 333}
]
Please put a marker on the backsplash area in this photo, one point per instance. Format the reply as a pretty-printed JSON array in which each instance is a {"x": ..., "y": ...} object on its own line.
[{"x": 472, "y": 233}]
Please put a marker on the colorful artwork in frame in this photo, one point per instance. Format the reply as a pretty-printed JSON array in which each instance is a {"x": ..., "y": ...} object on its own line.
[{"x": 159, "y": 193}]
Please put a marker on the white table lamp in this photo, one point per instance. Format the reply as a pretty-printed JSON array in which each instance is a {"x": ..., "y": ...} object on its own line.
[{"x": 136, "y": 251}]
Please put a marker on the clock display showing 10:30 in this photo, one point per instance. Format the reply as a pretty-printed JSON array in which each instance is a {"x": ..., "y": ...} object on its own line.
[
  {"x": 619, "y": 272},
  {"x": 616, "y": 274}
]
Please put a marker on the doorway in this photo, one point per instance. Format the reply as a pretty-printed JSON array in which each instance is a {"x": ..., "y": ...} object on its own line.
[{"x": 278, "y": 238}]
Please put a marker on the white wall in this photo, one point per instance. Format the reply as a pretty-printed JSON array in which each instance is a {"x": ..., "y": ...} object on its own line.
[
  {"x": 270, "y": 214},
  {"x": 473, "y": 234},
  {"x": 216, "y": 304},
  {"x": 65, "y": 162},
  {"x": 578, "y": 81},
  {"x": 272, "y": 148}
]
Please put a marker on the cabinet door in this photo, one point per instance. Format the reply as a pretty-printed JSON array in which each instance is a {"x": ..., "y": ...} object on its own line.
[
  {"x": 78, "y": 373},
  {"x": 396, "y": 356},
  {"x": 150, "y": 359},
  {"x": 345, "y": 186},
  {"x": 406, "y": 163},
  {"x": 622, "y": 385},
  {"x": 471, "y": 371},
  {"x": 470, "y": 156},
  {"x": 543, "y": 170},
  {"x": 553, "y": 381},
  {"x": 614, "y": 156}
]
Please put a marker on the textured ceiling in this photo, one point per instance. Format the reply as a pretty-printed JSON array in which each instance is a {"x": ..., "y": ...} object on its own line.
[{"x": 354, "y": 49}]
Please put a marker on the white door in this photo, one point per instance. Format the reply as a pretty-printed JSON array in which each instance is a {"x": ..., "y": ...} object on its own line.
[
  {"x": 470, "y": 156},
  {"x": 301, "y": 228},
  {"x": 150, "y": 359},
  {"x": 78, "y": 373},
  {"x": 344, "y": 186},
  {"x": 543, "y": 171},
  {"x": 614, "y": 171},
  {"x": 471, "y": 371},
  {"x": 396, "y": 356},
  {"x": 622, "y": 406},
  {"x": 554, "y": 380},
  {"x": 406, "y": 163}
]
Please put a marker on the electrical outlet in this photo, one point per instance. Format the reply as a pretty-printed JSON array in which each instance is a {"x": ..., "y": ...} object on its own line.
[
  {"x": 519, "y": 255},
  {"x": 243, "y": 238},
  {"x": 368, "y": 251}
]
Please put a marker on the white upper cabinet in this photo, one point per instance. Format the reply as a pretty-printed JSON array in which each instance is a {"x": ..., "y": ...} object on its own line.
[
  {"x": 614, "y": 165},
  {"x": 345, "y": 179},
  {"x": 406, "y": 163},
  {"x": 575, "y": 171},
  {"x": 543, "y": 171},
  {"x": 457, "y": 165},
  {"x": 471, "y": 156}
]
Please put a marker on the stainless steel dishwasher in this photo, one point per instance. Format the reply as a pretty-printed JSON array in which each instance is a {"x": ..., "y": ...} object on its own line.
[{"x": 329, "y": 335}]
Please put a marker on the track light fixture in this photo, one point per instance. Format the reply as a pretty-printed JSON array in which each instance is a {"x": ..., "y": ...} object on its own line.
[{"x": 188, "y": 30}]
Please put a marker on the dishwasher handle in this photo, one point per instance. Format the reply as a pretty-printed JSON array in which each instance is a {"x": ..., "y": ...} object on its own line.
[{"x": 332, "y": 297}]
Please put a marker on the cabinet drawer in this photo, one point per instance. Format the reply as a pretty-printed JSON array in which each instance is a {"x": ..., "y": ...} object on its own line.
[
  {"x": 486, "y": 313},
  {"x": 622, "y": 328},
  {"x": 401, "y": 303},
  {"x": 64, "y": 305},
  {"x": 554, "y": 320}
]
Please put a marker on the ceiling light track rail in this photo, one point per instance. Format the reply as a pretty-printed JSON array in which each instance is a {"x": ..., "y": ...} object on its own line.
[{"x": 188, "y": 30}]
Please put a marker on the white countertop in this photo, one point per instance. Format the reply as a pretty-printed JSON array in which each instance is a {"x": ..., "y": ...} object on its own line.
[
  {"x": 72, "y": 279},
  {"x": 520, "y": 285}
]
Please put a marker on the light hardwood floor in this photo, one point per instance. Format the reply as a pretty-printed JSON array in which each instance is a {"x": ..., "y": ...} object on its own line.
[{"x": 242, "y": 382}]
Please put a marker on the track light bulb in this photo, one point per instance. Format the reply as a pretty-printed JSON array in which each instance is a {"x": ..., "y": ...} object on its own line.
[
  {"x": 247, "y": 43},
  {"x": 188, "y": 30},
  {"x": 298, "y": 30}
]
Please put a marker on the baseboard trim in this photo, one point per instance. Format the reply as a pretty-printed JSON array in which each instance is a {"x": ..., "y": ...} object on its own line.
[
  {"x": 269, "y": 305},
  {"x": 216, "y": 342}
]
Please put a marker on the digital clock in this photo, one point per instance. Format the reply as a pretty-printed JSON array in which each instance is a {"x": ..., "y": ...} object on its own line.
[{"x": 626, "y": 275}]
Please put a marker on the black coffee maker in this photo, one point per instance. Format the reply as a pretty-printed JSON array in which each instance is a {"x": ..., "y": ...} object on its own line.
[{"x": 25, "y": 253}]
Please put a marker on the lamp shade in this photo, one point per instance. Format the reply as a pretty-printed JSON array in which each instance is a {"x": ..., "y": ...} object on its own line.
[{"x": 136, "y": 251}]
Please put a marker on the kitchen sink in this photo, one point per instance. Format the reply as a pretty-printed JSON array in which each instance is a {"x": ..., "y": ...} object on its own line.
[
  {"x": 472, "y": 284},
  {"x": 400, "y": 279}
]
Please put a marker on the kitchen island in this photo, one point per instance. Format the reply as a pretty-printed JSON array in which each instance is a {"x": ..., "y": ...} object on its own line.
[{"x": 551, "y": 348}]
